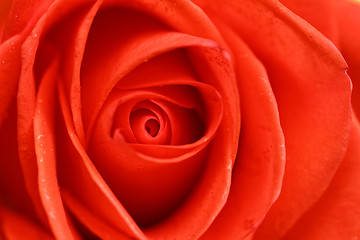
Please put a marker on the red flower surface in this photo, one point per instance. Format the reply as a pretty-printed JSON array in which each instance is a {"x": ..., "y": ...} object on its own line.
[{"x": 176, "y": 119}]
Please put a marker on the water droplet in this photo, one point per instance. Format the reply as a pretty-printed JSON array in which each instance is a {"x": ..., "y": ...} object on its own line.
[
  {"x": 40, "y": 136},
  {"x": 3, "y": 61},
  {"x": 43, "y": 180},
  {"x": 16, "y": 16},
  {"x": 41, "y": 160},
  {"x": 35, "y": 35},
  {"x": 229, "y": 167},
  {"x": 52, "y": 214}
]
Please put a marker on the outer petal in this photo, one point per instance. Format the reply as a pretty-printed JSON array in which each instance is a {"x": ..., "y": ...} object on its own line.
[
  {"x": 320, "y": 13},
  {"x": 29, "y": 81},
  {"x": 259, "y": 167},
  {"x": 336, "y": 215},
  {"x": 14, "y": 226},
  {"x": 21, "y": 15},
  {"x": 101, "y": 72},
  {"x": 336, "y": 19},
  {"x": 313, "y": 94},
  {"x": 348, "y": 22},
  {"x": 21, "y": 19},
  {"x": 4, "y": 12},
  {"x": 13, "y": 192},
  {"x": 44, "y": 128}
]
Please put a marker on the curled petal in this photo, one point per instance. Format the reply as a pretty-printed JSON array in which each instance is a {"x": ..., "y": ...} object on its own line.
[
  {"x": 82, "y": 180},
  {"x": 16, "y": 226},
  {"x": 45, "y": 151},
  {"x": 145, "y": 176},
  {"x": 336, "y": 215},
  {"x": 259, "y": 166},
  {"x": 348, "y": 19},
  {"x": 307, "y": 75},
  {"x": 29, "y": 79}
]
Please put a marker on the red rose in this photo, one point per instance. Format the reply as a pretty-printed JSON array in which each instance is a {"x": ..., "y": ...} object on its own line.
[{"x": 173, "y": 120}]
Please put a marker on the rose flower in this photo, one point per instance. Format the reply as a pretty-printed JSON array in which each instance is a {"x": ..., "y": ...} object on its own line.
[{"x": 177, "y": 119}]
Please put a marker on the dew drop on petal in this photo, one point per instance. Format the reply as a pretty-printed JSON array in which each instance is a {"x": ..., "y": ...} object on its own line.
[{"x": 52, "y": 214}]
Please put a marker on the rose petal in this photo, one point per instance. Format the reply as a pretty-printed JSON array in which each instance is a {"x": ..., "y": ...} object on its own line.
[
  {"x": 336, "y": 215},
  {"x": 27, "y": 83},
  {"x": 313, "y": 94},
  {"x": 13, "y": 192},
  {"x": 168, "y": 74},
  {"x": 16, "y": 226},
  {"x": 348, "y": 19},
  {"x": 212, "y": 112},
  {"x": 182, "y": 16},
  {"x": 153, "y": 185},
  {"x": 219, "y": 76},
  {"x": 70, "y": 36},
  {"x": 44, "y": 127},
  {"x": 100, "y": 227},
  {"x": 336, "y": 20},
  {"x": 214, "y": 67},
  {"x": 109, "y": 56},
  {"x": 151, "y": 181},
  {"x": 4, "y": 12},
  {"x": 259, "y": 167},
  {"x": 22, "y": 17},
  {"x": 321, "y": 14},
  {"x": 79, "y": 176}
]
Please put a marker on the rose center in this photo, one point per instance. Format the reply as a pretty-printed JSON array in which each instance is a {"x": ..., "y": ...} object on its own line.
[
  {"x": 152, "y": 127},
  {"x": 149, "y": 124}
]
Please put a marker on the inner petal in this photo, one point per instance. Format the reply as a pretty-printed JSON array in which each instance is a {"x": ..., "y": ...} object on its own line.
[
  {"x": 144, "y": 124},
  {"x": 152, "y": 127}
]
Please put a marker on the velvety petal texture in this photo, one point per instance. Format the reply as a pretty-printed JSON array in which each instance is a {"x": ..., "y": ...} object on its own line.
[
  {"x": 337, "y": 20},
  {"x": 16, "y": 226},
  {"x": 259, "y": 167},
  {"x": 177, "y": 119},
  {"x": 347, "y": 13},
  {"x": 157, "y": 103},
  {"x": 314, "y": 121},
  {"x": 336, "y": 215}
]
